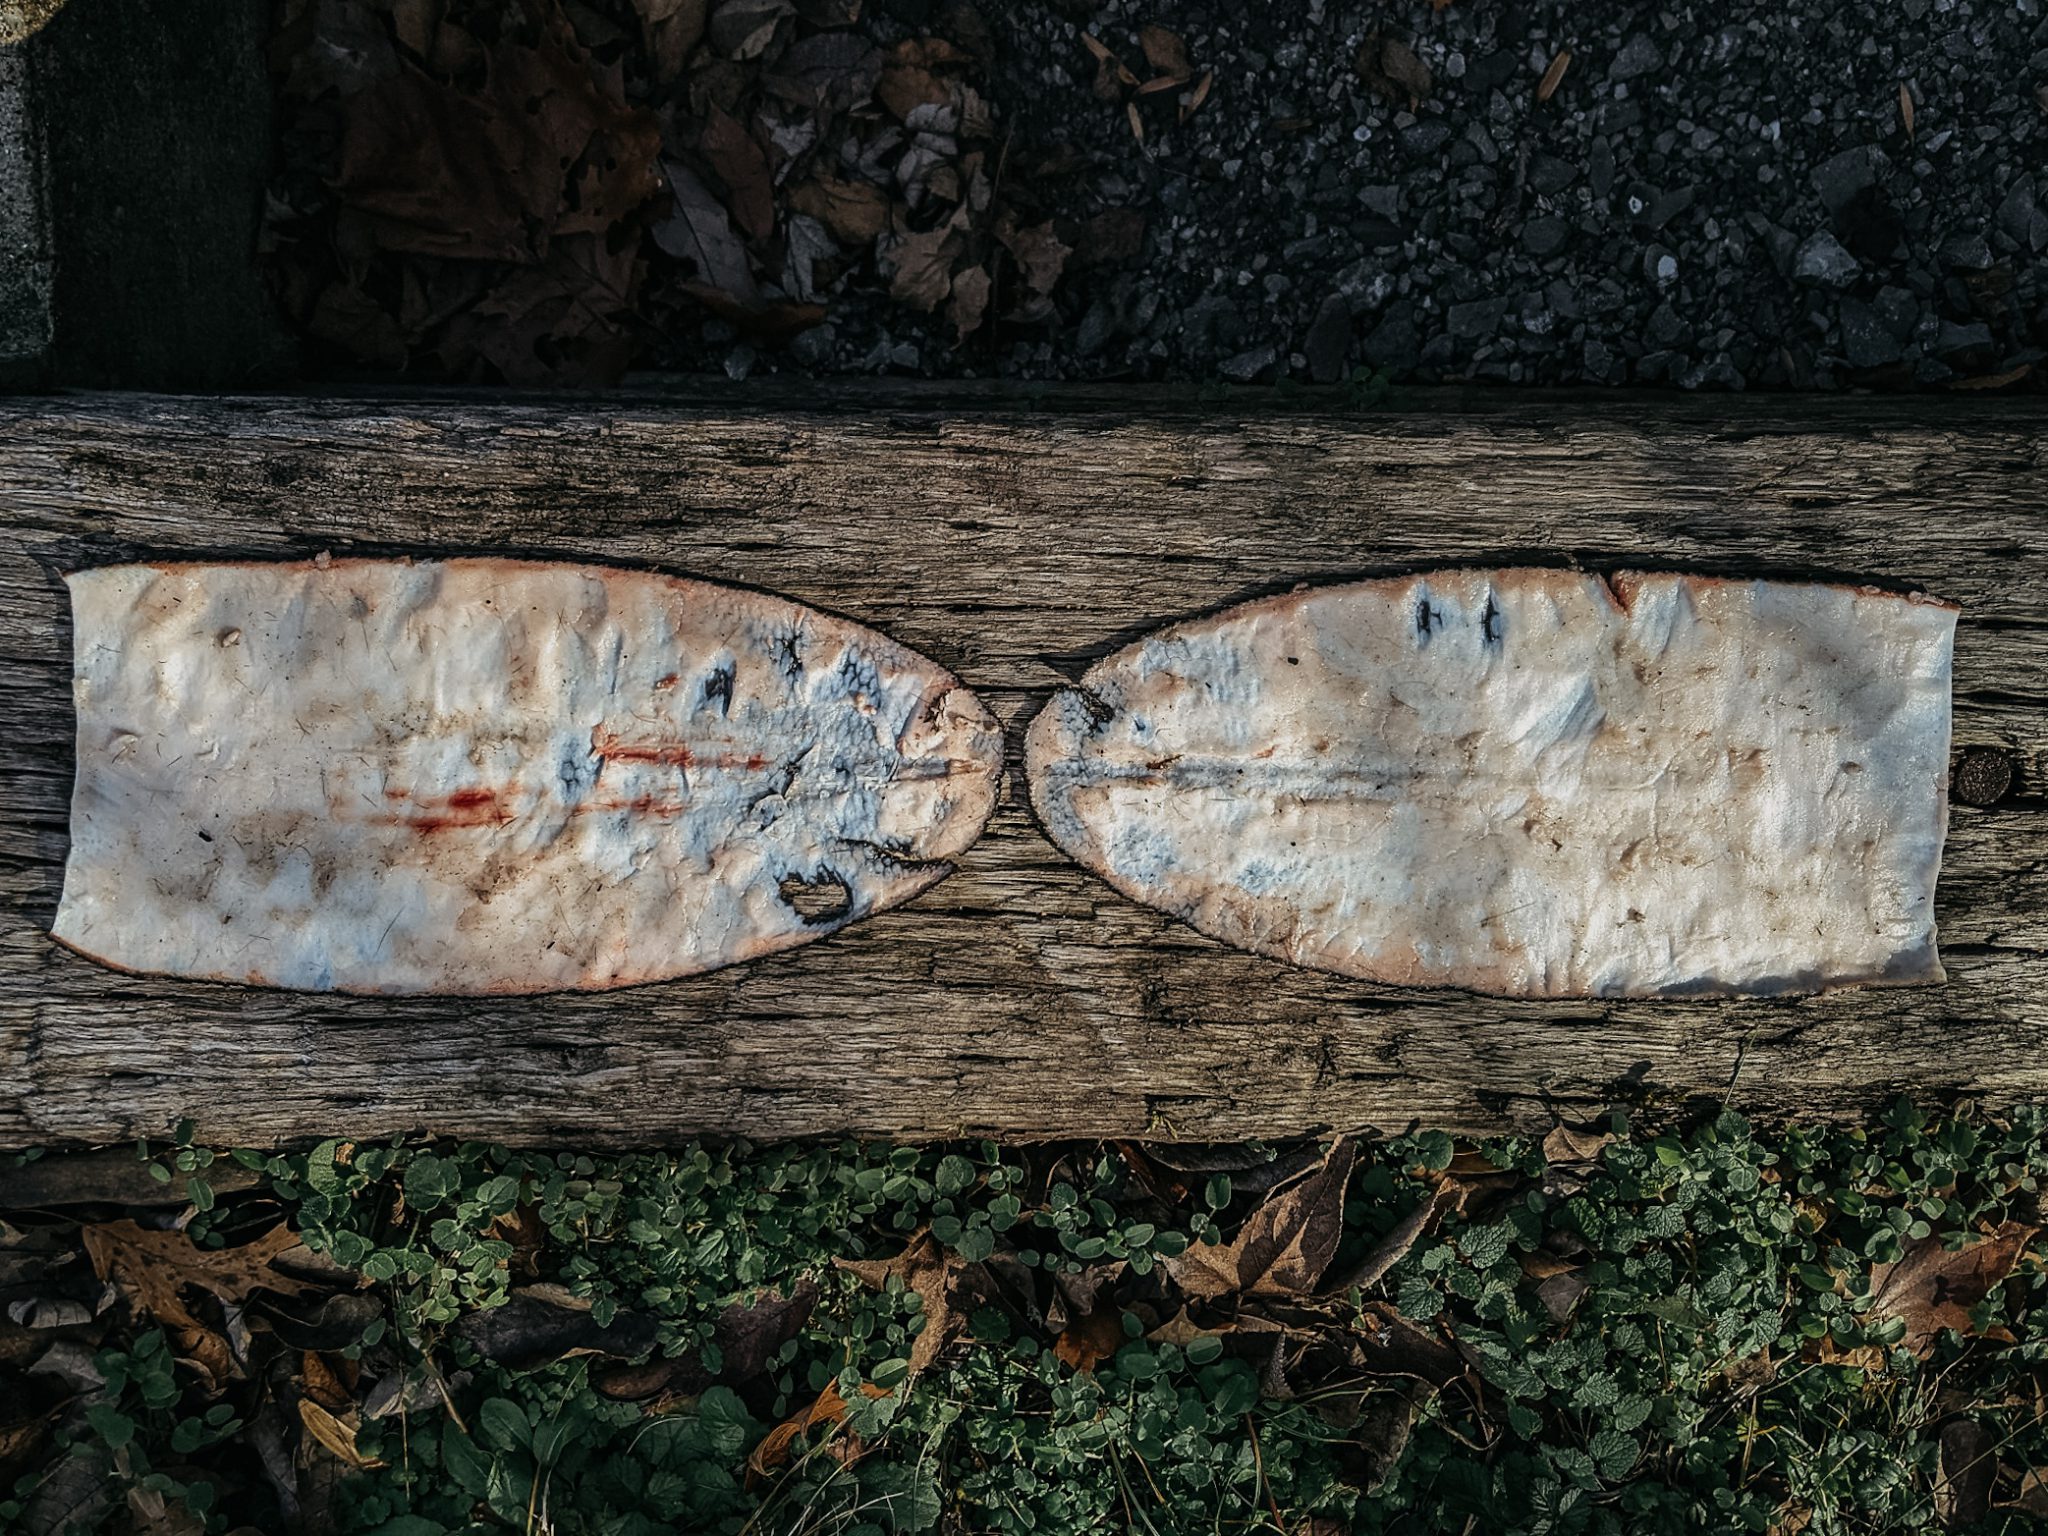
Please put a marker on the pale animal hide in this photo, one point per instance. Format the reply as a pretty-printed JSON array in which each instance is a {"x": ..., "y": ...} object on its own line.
[
  {"x": 482, "y": 776},
  {"x": 1529, "y": 783}
]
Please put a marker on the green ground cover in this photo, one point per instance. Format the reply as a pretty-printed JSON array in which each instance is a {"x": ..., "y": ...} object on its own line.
[{"x": 1694, "y": 1327}]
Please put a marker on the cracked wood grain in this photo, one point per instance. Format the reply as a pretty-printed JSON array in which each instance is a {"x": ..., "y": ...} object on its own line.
[{"x": 1014, "y": 547}]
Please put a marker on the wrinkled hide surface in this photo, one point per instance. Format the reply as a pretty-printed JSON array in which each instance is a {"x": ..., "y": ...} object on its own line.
[
  {"x": 493, "y": 776},
  {"x": 1530, "y": 782}
]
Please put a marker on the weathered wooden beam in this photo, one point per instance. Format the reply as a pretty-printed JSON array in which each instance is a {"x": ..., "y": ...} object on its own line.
[{"x": 1013, "y": 545}]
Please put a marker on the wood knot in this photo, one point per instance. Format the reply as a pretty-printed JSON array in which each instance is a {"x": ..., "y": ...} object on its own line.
[{"x": 1982, "y": 776}]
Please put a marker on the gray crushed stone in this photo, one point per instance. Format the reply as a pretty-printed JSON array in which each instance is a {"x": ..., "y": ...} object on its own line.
[{"x": 1717, "y": 196}]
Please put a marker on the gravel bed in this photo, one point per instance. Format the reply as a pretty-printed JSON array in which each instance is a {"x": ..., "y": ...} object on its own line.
[{"x": 1714, "y": 196}]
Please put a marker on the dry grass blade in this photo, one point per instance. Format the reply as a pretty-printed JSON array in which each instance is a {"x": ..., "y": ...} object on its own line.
[
  {"x": 1995, "y": 380},
  {"x": 1553, "y": 76}
]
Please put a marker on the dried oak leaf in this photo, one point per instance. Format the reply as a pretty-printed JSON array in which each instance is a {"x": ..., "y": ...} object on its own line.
[
  {"x": 153, "y": 1269},
  {"x": 1933, "y": 1288},
  {"x": 1391, "y": 70},
  {"x": 855, "y": 211},
  {"x": 1283, "y": 1247}
]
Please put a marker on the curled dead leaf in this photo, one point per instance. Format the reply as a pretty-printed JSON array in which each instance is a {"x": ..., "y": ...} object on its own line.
[
  {"x": 950, "y": 1288},
  {"x": 337, "y": 1433},
  {"x": 828, "y": 1408},
  {"x": 1564, "y": 1144},
  {"x": 1283, "y": 1247}
]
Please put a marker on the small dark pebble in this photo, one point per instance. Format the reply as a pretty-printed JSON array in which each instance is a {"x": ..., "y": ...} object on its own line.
[
  {"x": 1328, "y": 339},
  {"x": 1425, "y": 137},
  {"x": 1545, "y": 236},
  {"x": 1638, "y": 57},
  {"x": 1867, "y": 342},
  {"x": 1982, "y": 776},
  {"x": 1250, "y": 366}
]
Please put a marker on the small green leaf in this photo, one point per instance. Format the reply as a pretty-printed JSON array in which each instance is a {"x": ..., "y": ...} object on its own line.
[{"x": 503, "y": 1424}]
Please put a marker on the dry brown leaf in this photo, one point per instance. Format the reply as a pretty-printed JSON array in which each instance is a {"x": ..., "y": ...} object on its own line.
[
  {"x": 740, "y": 163},
  {"x": 321, "y": 1383},
  {"x": 1182, "y": 1329},
  {"x": 1200, "y": 95},
  {"x": 1088, "y": 1341},
  {"x": 1906, "y": 110},
  {"x": 829, "y": 1408},
  {"x": 855, "y": 211},
  {"x": 921, "y": 266},
  {"x": 672, "y": 28},
  {"x": 1566, "y": 1145},
  {"x": 701, "y": 232},
  {"x": 1392, "y": 70},
  {"x": 152, "y": 1269},
  {"x": 919, "y": 73},
  {"x": 337, "y": 1433},
  {"x": 1165, "y": 51},
  {"x": 1387, "y": 1343},
  {"x": 1968, "y": 1467},
  {"x": 1110, "y": 238},
  {"x": 1283, "y": 1247},
  {"x": 744, "y": 29},
  {"x": 1553, "y": 76},
  {"x": 1933, "y": 1289},
  {"x": 1041, "y": 256},
  {"x": 2033, "y": 1494},
  {"x": 969, "y": 303},
  {"x": 949, "y": 1287}
]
